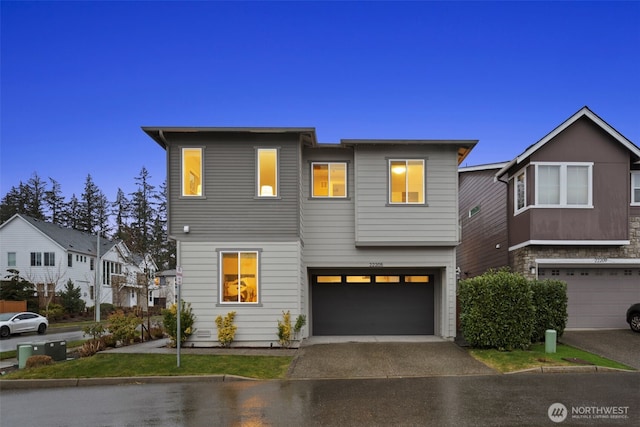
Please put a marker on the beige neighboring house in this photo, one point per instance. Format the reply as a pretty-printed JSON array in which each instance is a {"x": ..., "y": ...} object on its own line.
[{"x": 49, "y": 255}]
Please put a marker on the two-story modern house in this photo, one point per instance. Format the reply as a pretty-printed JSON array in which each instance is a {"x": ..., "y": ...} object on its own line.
[
  {"x": 572, "y": 212},
  {"x": 49, "y": 255},
  {"x": 359, "y": 236}
]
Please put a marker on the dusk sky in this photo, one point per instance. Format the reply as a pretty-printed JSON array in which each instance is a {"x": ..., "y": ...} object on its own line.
[{"x": 79, "y": 79}]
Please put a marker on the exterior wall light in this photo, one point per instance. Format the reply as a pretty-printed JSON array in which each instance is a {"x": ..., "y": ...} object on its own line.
[{"x": 186, "y": 229}]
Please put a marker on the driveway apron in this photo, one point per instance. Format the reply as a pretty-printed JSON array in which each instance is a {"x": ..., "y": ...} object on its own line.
[
  {"x": 621, "y": 345},
  {"x": 384, "y": 360}
]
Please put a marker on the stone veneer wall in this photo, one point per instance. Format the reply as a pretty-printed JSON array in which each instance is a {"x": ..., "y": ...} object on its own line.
[{"x": 521, "y": 259}]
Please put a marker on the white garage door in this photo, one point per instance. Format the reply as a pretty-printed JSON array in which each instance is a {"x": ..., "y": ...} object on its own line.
[{"x": 598, "y": 297}]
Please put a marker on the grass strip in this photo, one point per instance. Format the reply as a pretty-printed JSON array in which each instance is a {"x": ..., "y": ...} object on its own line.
[
  {"x": 510, "y": 361},
  {"x": 104, "y": 365}
]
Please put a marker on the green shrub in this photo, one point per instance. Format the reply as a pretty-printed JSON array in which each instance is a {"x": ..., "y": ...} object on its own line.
[
  {"x": 170, "y": 321},
  {"x": 123, "y": 328},
  {"x": 53, "y": 312},
  {"x": 226, "y": 329},
  {"x": 71, "y": 299},
  {"x": 497, "y": 310},
  {"x": 96, "y": 330},
  {"x": 284, "y": 330},
  {"x": 550, "y": 300}
]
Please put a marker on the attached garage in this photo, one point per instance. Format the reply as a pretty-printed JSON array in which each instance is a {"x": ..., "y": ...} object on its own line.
[
  {"x": 597, "y": 297},
  {"x": 384, "y": 303}
]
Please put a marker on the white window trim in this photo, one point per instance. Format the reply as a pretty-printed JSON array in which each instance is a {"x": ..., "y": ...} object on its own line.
[
  {"x": 182, "y": 183},
  {"x": 276, "y": 190},
  {"x": 517, "y": 210},
  {"x": 424, "y": 183},
  {"x": 346, "y": 179},
  {"x": 563, "y": 185},
  {"x": 221, "y": 302},
  {"x": 634, "y": 202}
]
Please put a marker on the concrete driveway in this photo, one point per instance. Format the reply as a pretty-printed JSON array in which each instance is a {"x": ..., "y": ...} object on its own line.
[
  {"x": 378, "y": 358},
  {"x": 621, "y": 345}
]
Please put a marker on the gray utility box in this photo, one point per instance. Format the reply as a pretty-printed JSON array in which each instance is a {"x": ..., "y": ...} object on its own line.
[
  {"x": 28, "y": 349},
  {"x": 56, "y": 349}
]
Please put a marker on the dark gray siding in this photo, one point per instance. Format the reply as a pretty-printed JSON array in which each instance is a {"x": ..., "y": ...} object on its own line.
[
  {"x": 583, "y": 141},
  {"x": 229, "y": 208},
  {"x": 487, "y": 228}
]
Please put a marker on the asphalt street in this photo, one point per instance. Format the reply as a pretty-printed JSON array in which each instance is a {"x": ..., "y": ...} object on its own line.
[{"x": 600, "y": 399}]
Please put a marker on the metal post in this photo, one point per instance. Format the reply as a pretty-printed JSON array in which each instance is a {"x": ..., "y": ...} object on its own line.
[{"x": 97, "y": 290}]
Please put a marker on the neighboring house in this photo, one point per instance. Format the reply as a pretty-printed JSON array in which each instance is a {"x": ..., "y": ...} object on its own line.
[
  {"x": 573, "y": 213},
  {"x": 48, "y": 255},
  {"x": 360, "y": 237},
  {"x": 165, "y": 292}
]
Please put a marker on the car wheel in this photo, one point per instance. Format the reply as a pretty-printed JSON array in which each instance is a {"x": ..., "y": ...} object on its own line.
[
  {"x": 635, "y": 322},
  {"x": 42, "y": 328},
  {"x": 4, "y": 332}
]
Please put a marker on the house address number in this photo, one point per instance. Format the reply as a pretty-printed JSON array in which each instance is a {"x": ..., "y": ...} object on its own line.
[
  {"x": 601, "y": 260},
  {"x": 375, "y": 264}
]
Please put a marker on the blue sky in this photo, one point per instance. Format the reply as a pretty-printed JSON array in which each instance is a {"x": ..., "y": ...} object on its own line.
[{"x": 79, "y": 79}]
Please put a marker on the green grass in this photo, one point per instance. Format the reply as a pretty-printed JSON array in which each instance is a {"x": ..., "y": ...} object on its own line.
[
  {"x": 104, "y": 365},
  {"x": 510, "y": 361},
  {"x": 11, "y": 354}
]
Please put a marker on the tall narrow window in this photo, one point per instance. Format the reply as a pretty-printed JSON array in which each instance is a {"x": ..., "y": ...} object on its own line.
[
  {"x": 520, "y": 191},
  {"x": 406, "y": 181},
  {"x": 69, "y": 260},
  {"x": 635, "y": 188},
  {"x": 11, "y": 259},
  {"x": 36, "y": 259},
  {"x": 239, "y": 277},
  {"x": 267, "y": 172},
  {"x": 192, "y": 171},
  {"x": 548, "y": 178},
  {"x": 329, "y": 179},
  {"x": 50, "y": 259}
]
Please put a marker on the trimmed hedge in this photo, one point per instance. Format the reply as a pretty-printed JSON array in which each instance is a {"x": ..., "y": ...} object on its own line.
[
  {"x": 497, "y": 310},
  {"x": 550, "y": 300},
  {"x": 506, "y": 311}
]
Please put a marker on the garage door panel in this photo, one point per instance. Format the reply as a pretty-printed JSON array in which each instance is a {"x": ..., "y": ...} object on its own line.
[
  {"x": 372, "y": 309},
  {"x": 598, "y": 298}
]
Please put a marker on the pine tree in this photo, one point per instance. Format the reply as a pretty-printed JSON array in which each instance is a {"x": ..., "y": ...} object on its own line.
[
  {"x": 34, "y": 203},
  {"x": 55, "y": 203}
]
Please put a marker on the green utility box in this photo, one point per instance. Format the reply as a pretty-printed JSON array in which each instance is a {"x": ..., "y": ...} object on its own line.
[
  {"x": 550, "y": 337},
  {"x": 23, "y": 352},
  {"x": 56, "y": 349}
]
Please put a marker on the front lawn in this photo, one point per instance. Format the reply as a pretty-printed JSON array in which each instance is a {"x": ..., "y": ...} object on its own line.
[
  {"x": 104, "y": 365},
  {"x": 510, "y": 361}
]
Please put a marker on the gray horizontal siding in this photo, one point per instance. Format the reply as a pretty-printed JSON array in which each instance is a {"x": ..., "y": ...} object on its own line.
[
  {"x": 229, "y": 208},
  {"x": 280, "y": 289}
]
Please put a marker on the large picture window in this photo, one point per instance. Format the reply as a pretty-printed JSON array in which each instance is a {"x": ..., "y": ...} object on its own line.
[
  {"x": 329, "y": 179},
  {"x": 635, "y": 188},
  {"x": 239, "y": 277},
  {"x": 564, "y": 185},
  {"x": 406, "y": 181},
  {"x": 267, "y": 172},
  {"x": 192, "y": 172}
]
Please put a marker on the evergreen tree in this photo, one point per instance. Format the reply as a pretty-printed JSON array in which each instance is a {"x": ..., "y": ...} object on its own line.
[
  {"x": 72, "y": 217},
  {"x": 90, "y": 201},
  {"x": 71, "y": 298},
  {"x": 10, "y": 204},
  {"x": 121, "y": 211},
  {"x": 142, "y": 214},
  {"x": 14, "y": 287},
  {"x": 164, "y": 249},
  {"x": 55, "y": 203},
  {"x": 35, "y": 196}
]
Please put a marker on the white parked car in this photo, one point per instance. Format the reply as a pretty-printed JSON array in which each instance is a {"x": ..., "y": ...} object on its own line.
[{"x": 17, "y": 323}]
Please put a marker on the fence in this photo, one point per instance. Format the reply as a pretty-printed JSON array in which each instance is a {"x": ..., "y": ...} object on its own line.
[{"x": 12, "y": 306}]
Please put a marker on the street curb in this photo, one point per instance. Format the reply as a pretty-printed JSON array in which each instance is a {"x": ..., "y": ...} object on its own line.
[
  {"x": 567, "y": 370},
  {"x": 86, "y": 382}
]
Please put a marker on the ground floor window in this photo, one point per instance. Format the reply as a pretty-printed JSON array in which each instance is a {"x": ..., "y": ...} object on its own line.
[{"x": 239, "y": 276}]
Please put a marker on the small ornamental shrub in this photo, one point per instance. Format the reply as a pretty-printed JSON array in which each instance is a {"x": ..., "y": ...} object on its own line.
[
  {"x": 109, "y": 341},
  {"x": 124, "y": 328},
  {"x": 284, "y": 330},
  {"x": 170, "y": 321},
  {"x": 497, "y": 310},
  {"x": 96, "y": 330},
  {"x": 38, "y": 360},
  {"x": 53, "y": 312},
  {"x": 91, "y": 347},
  {"x": 301, "y": 320},
  {"x": 226, "y": 329},
  {"x": 550, "y": 300}
]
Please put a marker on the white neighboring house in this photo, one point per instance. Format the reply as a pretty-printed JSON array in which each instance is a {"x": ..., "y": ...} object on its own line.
[
  {"x": 47, "y": 253},
  {"x": 165, "y": 293}
]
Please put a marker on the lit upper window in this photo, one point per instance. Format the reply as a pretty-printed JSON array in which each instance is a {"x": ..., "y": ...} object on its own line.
[
  {"x": 239, "y": 277},
  {"x": 267, "y": 172},
  {"x": 564, "y": 184},
  {"x": 192, "y": 171},
  {"x": 406, "y": 181},
  {"x": 329, "y": 179}
]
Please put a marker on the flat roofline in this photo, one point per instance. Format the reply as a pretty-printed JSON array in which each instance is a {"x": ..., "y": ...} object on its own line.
[{"x": 465, "y": 142}]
